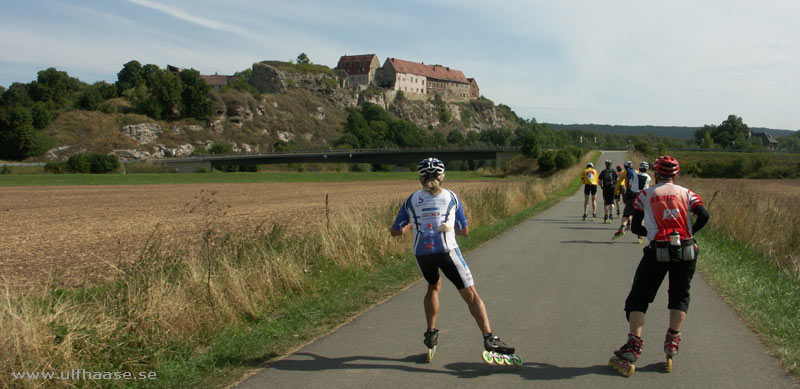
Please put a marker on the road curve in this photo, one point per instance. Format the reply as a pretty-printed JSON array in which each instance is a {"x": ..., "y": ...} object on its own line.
[{"x": 554, "y": 287}]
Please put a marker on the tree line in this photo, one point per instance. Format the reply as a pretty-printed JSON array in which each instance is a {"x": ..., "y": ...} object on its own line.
[{"x": 27, "y": 108}]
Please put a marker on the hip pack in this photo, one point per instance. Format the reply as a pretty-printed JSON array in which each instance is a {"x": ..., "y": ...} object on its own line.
[{"x": 666, "y": 252}]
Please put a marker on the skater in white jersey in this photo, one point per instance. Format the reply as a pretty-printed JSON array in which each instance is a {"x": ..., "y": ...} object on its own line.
[
  {"x": 435, "y": 216},
  {"x": 665, "y": 210}
]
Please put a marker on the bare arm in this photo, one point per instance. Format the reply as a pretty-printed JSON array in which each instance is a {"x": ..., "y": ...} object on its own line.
[
  {"x": 396, "y": 232},
  {"x": 463, "y": 232}
]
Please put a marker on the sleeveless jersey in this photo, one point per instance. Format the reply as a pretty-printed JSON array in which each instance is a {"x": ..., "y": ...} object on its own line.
[
  {"x": 620, "y": 184},
  {"x": 426, "y": 213},
  {"x": 640, "y": 182},
  {"x": 666, "y": 207},
  {"x": 589, "y": 176}
]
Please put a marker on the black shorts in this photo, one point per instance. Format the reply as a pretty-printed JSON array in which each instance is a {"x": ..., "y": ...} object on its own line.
[
  {"x": 452, "y": 265},
  {"x": 649, "y": 275},
  {"x": 629, "y": 205},
  {"x": 608, "y": 196},
  {"x": 590, "y": 189}
]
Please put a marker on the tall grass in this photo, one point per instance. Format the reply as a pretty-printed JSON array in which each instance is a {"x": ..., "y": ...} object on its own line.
[
  {"x": 173, "y": 302},
  {"x": 765, "y": 221}
]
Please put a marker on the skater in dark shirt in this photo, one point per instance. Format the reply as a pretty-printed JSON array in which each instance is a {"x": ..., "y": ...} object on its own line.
[
  {"x": 436, "y": 216},
  {"x": 664, "y": 209},
  {"x": 608, "y": 182}
]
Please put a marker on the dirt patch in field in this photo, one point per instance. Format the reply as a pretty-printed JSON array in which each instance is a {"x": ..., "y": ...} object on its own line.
[{"x": 77, "y": 235}]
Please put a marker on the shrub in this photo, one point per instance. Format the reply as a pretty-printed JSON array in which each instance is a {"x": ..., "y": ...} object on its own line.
[
  {"x": 641, "y": 147},
  {"x": 564, "y": 159},
  {"x": 88, "y": 163},
  {"x": 547, "y": 161},
  {"x": 220, "y": 148}
]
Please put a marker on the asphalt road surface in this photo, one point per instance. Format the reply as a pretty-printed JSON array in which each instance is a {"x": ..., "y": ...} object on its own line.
[{"x": 554, "y": 287}]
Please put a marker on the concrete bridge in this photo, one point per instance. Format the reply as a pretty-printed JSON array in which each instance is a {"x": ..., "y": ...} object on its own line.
[{"x": 371, "y": 156}]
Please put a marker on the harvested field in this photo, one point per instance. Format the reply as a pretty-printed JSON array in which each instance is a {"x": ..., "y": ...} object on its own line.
[{"x": 76, "y": 236}]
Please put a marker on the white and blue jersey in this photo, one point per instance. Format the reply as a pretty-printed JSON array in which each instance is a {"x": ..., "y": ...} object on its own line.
[{"x": 426, "y": 212}]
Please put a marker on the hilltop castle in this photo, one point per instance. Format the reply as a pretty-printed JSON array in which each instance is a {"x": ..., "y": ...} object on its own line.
[{"x": 416, "y": 80}]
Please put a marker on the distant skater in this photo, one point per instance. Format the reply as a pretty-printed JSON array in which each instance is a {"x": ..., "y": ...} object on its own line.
[
  {"x": 608, "y": 182},
  {"x": 637, "y": 182},
  {"x": 619, "y": 189},
  {"x": 589, "y": 179},
  {"x": 665, "y": 210},
  {"x": 436, "y": 216}
]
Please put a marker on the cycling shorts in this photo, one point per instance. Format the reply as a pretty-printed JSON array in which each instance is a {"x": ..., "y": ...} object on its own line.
[{"x": 452, "y": 265}]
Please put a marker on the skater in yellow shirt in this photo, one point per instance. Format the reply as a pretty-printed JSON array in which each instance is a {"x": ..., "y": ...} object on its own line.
[
  {"x": 620, "y": 189},
  {"x": 589, "y": 178}
]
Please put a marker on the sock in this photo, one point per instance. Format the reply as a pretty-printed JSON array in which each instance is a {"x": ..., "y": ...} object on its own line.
[
  {"x": 487, "y": 336},
  {"x": 673, "y": 332}
]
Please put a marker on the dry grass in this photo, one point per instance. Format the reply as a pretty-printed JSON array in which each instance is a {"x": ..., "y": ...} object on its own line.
[{"x": 762, "y": 213}]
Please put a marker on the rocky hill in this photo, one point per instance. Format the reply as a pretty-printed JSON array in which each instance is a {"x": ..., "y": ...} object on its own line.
[{"x": 291, "y": 106}]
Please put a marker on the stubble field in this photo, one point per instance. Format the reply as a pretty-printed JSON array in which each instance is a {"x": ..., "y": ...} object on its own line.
[{"x": 72, "y": 236}]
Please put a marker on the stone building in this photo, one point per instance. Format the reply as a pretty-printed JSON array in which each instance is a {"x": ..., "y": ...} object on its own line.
[
  {"x": 474, "y": 91},
  {"x": 413, "y": 77},
  {"x": 767, "y": 140},
  {"x": 360, "y": 69}
]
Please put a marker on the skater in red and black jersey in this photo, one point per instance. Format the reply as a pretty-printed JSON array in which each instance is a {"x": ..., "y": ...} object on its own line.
[{"x": 665, "y": 210}]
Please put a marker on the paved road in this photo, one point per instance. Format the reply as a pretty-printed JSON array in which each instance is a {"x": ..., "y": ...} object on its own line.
[{"x": 554, "y": 287}]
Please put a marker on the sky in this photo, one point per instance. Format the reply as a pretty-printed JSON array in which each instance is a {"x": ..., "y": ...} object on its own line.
[{"x": 637, "y": 62}]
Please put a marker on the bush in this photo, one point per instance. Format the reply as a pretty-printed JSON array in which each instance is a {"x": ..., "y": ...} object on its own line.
[
  {"x": 564, "y": 159},
  {"x": 5, "y": 170},
  {"x": 642, "y": 147},
  {"x": 547, "y": 161},
  {"x": 220, "y": 148},
  {"x": 88, "y": 163}
]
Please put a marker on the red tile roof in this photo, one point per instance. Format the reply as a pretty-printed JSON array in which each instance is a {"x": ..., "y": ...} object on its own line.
[
  {"x": 430, "y": 71},
  {"x": 355, "y": 64}
]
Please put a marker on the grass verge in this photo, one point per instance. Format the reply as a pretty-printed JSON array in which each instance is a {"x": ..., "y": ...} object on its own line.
[{"x": 765, "y": 297}]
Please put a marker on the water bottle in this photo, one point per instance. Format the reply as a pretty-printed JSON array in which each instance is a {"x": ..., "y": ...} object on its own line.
[
  {"x": 428, "y": 237},
  {"x": 675, "y": 238}
]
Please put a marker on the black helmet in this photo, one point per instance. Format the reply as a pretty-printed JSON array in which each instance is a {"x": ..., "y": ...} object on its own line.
[
  {"x": 608, "y": 163},
  {"x": 430, "y": 166}
]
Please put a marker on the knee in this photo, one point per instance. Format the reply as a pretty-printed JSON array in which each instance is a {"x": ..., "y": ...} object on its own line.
[{"x": 435, "y": 288}]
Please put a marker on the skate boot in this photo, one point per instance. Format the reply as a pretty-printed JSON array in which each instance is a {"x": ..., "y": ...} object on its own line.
[
  {"x": 625, "y": 358},
  {"x": 584, "y": 217},
  {"x": 610, "y": 219},
  {"x": 620, "y": 233},
  {"x": 640, "y": 238},
  {"x": 672, "y": 342},
  {"x": 498, "y": 352},
  {"x": 431, "y": 340},
  {"x": 605, "y": 219},
  {"x": 594, "y": 217}
]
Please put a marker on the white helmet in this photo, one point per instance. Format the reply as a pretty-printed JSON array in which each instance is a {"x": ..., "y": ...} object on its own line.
[
  {"x": 628, "y": 164},
  {"x": 589, "y": 164},
  {"x": 644, "y": 166},
  {"x": 430, "y": 166}
]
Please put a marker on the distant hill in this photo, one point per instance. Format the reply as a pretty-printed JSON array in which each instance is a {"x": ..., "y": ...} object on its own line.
[{"x": 673, "y": 131}]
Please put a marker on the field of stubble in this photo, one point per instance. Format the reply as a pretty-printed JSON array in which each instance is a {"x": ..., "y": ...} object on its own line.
[{"x": 76, "y": 236}]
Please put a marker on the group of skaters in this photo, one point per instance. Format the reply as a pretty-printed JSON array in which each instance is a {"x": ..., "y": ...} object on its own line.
[{"x": 659, "y": 213}]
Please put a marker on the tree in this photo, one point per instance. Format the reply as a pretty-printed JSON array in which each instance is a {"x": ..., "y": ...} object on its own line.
[
  {"x": 41, "y": 115},
  {"x": 131, "y": 76},
  {"x": 456, "y": 138},
  {"x": 302, "y": 58},
  {"x": 530, "y": 145},
  {"x": 731, "y": 133},
  {"x": 195, "y": 99}
]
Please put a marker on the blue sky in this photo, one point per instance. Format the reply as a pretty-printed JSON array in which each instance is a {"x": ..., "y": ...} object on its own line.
[{"x": 680, "y": 62}]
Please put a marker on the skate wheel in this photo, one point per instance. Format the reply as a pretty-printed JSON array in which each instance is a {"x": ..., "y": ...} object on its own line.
[
  {"x": 516, "y": 360},
  {"x": 507, "y": 360},
  {"x": 669, "y": 365},
  {"x": 431, "y": 353},
  {"x": 498, "y": 359},
  {"x": 623, "y": 366},
  {"x": 488, "y": 357}
]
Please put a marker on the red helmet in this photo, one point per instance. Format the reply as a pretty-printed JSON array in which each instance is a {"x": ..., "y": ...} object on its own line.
[
  {"x": 619, "y": 168},
  {"x": 666, "y": 166}
]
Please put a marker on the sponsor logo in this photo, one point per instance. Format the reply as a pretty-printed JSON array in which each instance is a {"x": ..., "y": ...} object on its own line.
[
  {"x": 662, "y": 199},
  {"x": 431, "y": 214},
  {"x": 428, "y": 209}
]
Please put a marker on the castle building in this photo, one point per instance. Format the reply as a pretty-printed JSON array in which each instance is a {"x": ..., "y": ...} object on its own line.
[
  {"x": 360, "y": 69},
  {"x": 413, "y": 77}
]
